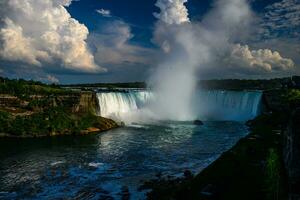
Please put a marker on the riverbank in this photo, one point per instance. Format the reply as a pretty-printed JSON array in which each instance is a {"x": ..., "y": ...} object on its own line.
[
  {"x": 100, "y": 124},
  {"x": 263, "y": 165}
]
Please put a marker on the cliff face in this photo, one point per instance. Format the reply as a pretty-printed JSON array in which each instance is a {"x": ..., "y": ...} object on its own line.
[
  {"x": 74, "y": 102},
  {"x": 33, "y": 109},
  {"x": 291, "y": 153},
  {"x": 87, "y": 102},
  {"x": 286, "y": 103},
  {"x": 9, "y": 101},
  {"x": 55, "y": 114}
]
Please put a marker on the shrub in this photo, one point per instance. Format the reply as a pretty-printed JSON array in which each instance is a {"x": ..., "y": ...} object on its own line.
[{"x": 272, "y": 175}]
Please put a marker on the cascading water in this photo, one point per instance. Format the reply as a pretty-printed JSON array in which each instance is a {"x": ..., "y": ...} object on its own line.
[
  {"x": 228, "y": 105},
  {"x": 116, "y": 105},
  {"x": 208, "y": 105}
]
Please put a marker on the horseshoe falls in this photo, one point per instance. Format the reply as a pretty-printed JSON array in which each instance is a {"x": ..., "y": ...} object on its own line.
[{"x": 214, "y": 105}]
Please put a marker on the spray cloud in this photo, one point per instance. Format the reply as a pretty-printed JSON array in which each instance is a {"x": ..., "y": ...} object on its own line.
[{"x": 188, "y": 46}]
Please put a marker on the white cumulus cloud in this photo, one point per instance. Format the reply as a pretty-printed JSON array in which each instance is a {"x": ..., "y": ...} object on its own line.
[
  {"x": 261, "y": 59},
  {"x": 172, "y": 11},
  {"x": 16, "y": 46},
  {"x": 44, "y": 33}
]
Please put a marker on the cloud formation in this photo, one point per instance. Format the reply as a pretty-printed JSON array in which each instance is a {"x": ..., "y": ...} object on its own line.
[
  {"x": 113, "y": 47},
  {"x": 279, "y": 31},
  {"x": 172, "y": 11},
  {"x": 260, "y": 60},
  {"x": 52, "y": 79},
  {"x": 17, "y": 47},
  {"x": 42, "y": 33},
  {"x": 282, "y": 19},
  {"x": 103, "y": 12},
  {"x": 42, "y": 36}
]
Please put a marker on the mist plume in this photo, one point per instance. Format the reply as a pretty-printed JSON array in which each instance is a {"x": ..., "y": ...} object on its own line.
[{"x": 187, "y": 47}]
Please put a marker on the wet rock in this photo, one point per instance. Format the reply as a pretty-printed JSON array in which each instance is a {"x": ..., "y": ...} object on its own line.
[{"x": 198, "y": 122}]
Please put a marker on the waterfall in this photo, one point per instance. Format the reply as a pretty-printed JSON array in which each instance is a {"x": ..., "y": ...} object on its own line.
[
  {"x": 228, "y": 105},
  {"x": 208, "y": 105},
  {"x": 117, "y": 104}
]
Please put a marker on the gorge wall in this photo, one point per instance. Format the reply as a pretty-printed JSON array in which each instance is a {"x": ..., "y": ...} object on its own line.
[
  {"x": 278, "y": 101},
  {"x": 291, "y": 153},
  {"x": 79, "y": 102}
]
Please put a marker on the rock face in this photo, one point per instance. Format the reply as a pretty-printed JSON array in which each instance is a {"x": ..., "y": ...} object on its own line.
[
  {"x": 103, "y": 124},
  {"x": 9, "y": 101},
  {"x": 87, "y": 102},
  {"x": 272, "y": 100},
  {"x": 80, "y": 102},
  {"x": 291, "y": 152}
]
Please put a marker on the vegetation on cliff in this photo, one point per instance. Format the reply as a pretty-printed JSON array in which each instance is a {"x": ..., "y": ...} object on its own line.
[
  {"x": 23, "y": 89},
  {"x": 29, "y": 108},
  {"x": 54, "y": 121}
]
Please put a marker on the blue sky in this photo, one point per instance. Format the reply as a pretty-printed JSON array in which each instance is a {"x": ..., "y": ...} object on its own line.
[
  {"x": 138, "y": 15},
  {"x": 113, "y": 40}
]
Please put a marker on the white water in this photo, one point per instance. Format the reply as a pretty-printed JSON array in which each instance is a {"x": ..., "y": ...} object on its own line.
[
  {"x": 119, "y": 105},
  {"x": 133, "y": 106}
]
